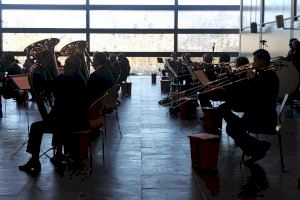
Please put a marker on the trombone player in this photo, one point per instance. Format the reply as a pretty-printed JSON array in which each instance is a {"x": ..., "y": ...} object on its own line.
[{"x": 256, "y": 97}]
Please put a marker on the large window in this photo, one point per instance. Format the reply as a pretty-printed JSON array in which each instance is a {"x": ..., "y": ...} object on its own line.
[
  {"x": 132, "y": 19},
  {"x": 142, "y": 29},
  {"x": 132, "y": 42},
  {"x": 43, "y": 19}
]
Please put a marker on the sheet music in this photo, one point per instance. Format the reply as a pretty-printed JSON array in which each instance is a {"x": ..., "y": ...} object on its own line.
[
  {"x": 201, "y": 76},
  {"x": 21, "y": 81}
]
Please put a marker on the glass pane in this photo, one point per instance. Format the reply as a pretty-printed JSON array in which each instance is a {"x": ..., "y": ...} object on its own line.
[
  {"x": 58, "y": 2},
  {"x": 43, "y": 19},
  {"x": 277, "y": 7},
  {"x": 19, "y": 41},
  {"x": 132, "y": 19},
  {"x": 132, "y": 2},
  {"x": 211, "y": 2},
  {"x": 246, "y": 13},
  {"x": 204, "y": 42},
  {"x": 132, "y": 42},
  {"x": 208, "y": 19}
]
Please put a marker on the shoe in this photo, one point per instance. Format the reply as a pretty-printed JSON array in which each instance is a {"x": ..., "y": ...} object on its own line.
[
  {"x": 32, "y": 167},
  {"x": 259, "y": 153},
  {"x": 57, "y": 159}
]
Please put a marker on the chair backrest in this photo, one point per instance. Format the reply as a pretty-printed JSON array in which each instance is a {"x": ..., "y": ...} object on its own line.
[
  {"x": 110, "y": 100},
  {"x": 95, "y": 113},
  {"x": 282, "y": 105}
]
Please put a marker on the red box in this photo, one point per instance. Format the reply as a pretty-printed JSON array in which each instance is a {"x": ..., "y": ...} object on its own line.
[{"x": 204, "y": 150}]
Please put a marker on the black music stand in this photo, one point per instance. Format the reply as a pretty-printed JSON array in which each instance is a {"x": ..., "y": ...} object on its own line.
[{"x": 22, "y": 83}]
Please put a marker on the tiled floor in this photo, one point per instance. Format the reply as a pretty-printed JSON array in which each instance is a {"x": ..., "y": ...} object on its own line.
[{"x": 150, "y": 161}]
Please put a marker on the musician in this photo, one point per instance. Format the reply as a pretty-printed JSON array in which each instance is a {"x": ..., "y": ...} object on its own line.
[
  {"x": 187, "y": 59},
  {"x": 257, "y": 97},
  {"x": 240, "y": 62},
  {"x": 208, "y": 67},
  {"x": 101, "y": 79},
  {"x": 115, "y": 68},
  {"x": 125, "y": 67},
  {"x": 290, "y": 55},
  {"x": 224, "y": 60},
  {"x": 69, "y": 113},
  {"x": 9, "y": 65}
]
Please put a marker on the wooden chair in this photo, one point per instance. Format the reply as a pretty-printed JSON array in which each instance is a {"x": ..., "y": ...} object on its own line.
[{"x": 110, "y": 103}]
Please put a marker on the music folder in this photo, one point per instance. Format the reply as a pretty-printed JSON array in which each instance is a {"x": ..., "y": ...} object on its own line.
[{"x": 21, "y": 81}]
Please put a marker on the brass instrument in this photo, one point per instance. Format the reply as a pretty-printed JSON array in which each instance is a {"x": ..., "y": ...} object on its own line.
[
  {"x": 223, "y": 81},
  {"x": 78, "y": 48},
  {"x": 42, "y": 72}
]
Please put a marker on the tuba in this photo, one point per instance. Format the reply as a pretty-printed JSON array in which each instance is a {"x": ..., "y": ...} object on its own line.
[
  {"x": 78, "y": 48},
  {"x": 42, "y": 72}
]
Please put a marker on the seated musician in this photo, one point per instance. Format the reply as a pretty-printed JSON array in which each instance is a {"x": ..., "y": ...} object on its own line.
[
  {"x": 208, "y": 67},
  {"x": 9, "y": 66},
  {"x": 294, "y": 57},
  {"x": 240, "y": 62},
  {"x": 187, "y": 59},
  {"x": 125, "y": 67},
  {"x": 115, "y": 68},
  {"x": 257, "y": 98},
  {"x": 224, "y": 60},
  {"x": 69, "y": 113},
  {"x": 101, "y": 79}
]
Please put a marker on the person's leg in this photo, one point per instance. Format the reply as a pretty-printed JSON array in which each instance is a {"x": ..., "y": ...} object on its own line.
[
  {"x": 34, "y": 143},
  {"x": 237, "y": 129}
]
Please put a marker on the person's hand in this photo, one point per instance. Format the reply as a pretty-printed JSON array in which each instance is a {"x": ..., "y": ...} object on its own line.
[{"x": 250, "y": 74}]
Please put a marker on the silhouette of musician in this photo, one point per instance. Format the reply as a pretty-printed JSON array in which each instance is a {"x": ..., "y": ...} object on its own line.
[
  {"x": 257, "y": 98},
  {"x": 68, "y": 114}
]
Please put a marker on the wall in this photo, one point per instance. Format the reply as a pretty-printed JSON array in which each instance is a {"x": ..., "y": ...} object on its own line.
[{"x": 277, "y": 39}]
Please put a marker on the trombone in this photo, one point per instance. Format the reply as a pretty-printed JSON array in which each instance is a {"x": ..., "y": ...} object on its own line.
[{"x": 224, "y": 80}]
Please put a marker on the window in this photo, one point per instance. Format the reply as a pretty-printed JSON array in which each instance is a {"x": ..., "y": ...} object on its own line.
[
  {"x": 132, "y": 42},
  {"x": 55, "y": 2},
  {"x": 208, "y": 19},
  {"x": 211, "y": 2},
  {"x": 132, "y": 2},
  {"x": 132, "y": 19},
  {"x": 19, "y": 41},
  {"x": 204, "y": 42},
  {"x": 277, "y": 7},
  {"x": 43, "y": 19}
]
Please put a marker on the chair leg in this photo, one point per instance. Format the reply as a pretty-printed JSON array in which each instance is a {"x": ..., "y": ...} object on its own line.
[
  {"x": 105, "y": 126},
  {"x": 103, "y": 147},
  {"x": 242, "y": 160},
  {"x": 117, "y": 116},
  {"x": 45, "y": 153},
  {"x": 280, "y": 147},
  {"x": 91, "y": 157}
]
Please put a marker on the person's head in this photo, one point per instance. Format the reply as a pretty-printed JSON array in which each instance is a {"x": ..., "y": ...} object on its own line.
[
  {"x": 261, "y": 58},
  {"x": 174, "y": 56},
  {"x": 7, "y": 59},
  {"x": 241, "y": 61},
  {"x": 99, "y": 59},
  {"x": 112, "y": 58},
  {"x": 224, "y": 58},
  {"x": 121, "y": 57},
  {"x": 291, "y": 42},
  {"x": 295, "y": 45},
  {"x": 72, "y": 65},
  {"x": 188, "y": 57},
  {"x": 207, "y": 58}
]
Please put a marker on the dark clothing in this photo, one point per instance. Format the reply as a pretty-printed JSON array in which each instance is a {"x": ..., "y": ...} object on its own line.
[
  {"x": 68, "y": 114},
  {"x": 257, "y": 98},
  {"x": 13, "y": 69},
  {"x": 99, "y": 82},
  {"x": 125, "y": 70},
  {"x": 116, "y": 71}
]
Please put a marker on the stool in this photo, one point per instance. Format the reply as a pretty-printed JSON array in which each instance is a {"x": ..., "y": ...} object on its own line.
[
  {"x": 126, "y": 88},
  {"x": 204, "y": 151},
  {"x": 165, "y": 85},
  {"x": 212, "y": 120},
  {"x": 153, "y": 77},
  {"x": 187, "y": 109}
]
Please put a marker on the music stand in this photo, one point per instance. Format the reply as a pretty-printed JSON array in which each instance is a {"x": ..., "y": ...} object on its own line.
[{"x": 22, "y": 83}]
